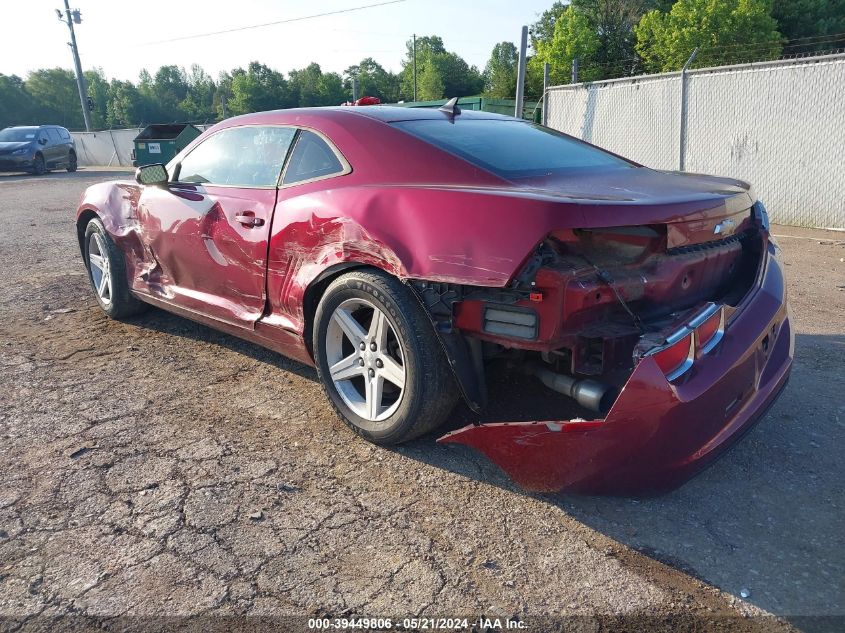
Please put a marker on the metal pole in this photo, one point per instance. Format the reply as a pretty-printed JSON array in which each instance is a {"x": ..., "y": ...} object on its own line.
[
  {"x": 682, "y": 144},
  {"x": 520, "y": 75},
  {"x": 574, "y": 70},
  {"x": 80, "y": 78},
  {"x": 545, "y": 94},
  {"x": 223, "y": 104},
  {"x": 415, "y": 66},
  {"x": 354, "y": 89}
]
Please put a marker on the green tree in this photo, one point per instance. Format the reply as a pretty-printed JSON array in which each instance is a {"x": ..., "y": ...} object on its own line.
[
  {"x": 149, "y": 109},
  {"x": 56, "y": 97},
  {"x": 727, "y": 31},
  {"x": 373, "y": 81},
  {"x": 439, "y": 72},
  {"x": 170, "y": 87},
  {"x": 98, "y": 91},
  {"x": 810, "y": 19},
  {"x": 613, "y": 23},
  {"x": 304, "y": 85},
  {"x": 259, "y": 88},
  {"x": 198, "y": 104},
  {"x": 16, "y": 105},
  {"x": 574, "y": 36},
  {"x": 330, "y": 89},
  {"x": 543, "y": 30},
  {"x": 124, "y": 105},
  {"x": 430, "y": 83},
  {"x": 500, "y": 71}
]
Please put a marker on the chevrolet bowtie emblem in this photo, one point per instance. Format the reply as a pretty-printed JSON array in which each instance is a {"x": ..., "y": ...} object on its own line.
[{"x": 725, "y": 227}]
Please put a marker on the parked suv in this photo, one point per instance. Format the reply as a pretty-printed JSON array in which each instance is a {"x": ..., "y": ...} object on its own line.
[{"x": 36, "y": 148}]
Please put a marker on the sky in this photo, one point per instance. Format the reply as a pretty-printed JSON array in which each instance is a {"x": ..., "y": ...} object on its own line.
[{"x": 123, "y": 37}]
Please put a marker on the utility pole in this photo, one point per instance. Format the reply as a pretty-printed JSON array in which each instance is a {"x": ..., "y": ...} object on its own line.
[
  {"x": 546, "y": 69},
  {"x": 71, "y": 17},
  {"x": 520, "y": 75},
  {"x": 415, "y": 66},
  {"x": 574, "y": 70},
  {"x": 354, "y": 89},
  {"x": 682, "y": 149}
]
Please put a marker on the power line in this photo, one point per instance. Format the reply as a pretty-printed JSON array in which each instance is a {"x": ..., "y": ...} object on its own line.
[{"x": 287, "y": 21}]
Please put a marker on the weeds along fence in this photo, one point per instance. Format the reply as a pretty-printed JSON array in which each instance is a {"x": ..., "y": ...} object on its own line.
[{"x": 779, "y": 125}]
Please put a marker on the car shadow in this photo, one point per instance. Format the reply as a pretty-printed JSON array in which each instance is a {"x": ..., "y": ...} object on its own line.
[
  {"x": 764, "y": 521},
  {"x": 174, "y": 325}
]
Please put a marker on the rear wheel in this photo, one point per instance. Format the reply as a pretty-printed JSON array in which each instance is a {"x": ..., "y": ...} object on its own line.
[
  {"x": 71, "y": 162},
  {"x": 107, "y": 273},
  {"x": 379, "y": 360},
  {"x": 39, "y": 167}
]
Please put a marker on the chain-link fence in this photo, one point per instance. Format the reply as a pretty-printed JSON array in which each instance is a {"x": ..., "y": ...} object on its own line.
[{"x": 779, "y": 125}]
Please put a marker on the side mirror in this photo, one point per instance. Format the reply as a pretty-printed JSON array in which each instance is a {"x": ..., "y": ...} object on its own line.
[
  {"x": 153, "y": 175},
  {"x": 42, "y": 141}
]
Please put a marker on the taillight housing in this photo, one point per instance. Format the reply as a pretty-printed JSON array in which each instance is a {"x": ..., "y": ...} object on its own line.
[
  {"x": 698, "y": 337},
  {"x": 709, "y": 328},
  {"x": 677, "y": 355}
]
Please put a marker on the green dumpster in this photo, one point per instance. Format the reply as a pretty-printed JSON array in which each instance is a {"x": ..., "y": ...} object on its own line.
[{"x": 160, "y": 142}]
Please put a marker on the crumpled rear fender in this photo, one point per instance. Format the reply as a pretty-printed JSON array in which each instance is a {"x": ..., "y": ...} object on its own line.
[{"x": 657, "y": 435}]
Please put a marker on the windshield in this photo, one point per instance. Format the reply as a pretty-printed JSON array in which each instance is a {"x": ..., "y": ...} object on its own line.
[
  {"x": 18, "y": 134},
  {"x": 512, "y": 149}
]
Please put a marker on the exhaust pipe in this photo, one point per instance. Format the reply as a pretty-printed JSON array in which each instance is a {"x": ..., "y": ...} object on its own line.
[{"x": 590, "y": 394}]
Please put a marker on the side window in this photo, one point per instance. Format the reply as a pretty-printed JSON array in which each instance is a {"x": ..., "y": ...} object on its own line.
[
  {"x": 311, "y": 158},
  {"x": 64, "y": 134},
  {"x": 248, "y": 156},
  {"x": 54, "y": 137},
  {"x": 42, "y": 136}
]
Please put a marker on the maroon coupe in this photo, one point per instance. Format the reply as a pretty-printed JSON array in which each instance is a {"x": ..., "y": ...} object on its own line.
[{"x": 400, "y": 250}]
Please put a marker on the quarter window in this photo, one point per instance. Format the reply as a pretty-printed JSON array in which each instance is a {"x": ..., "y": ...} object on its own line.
[
  {"x": 311, "y": 158},
  {"x": 64, "y": 134},
  {"x": 248, "y": 156}
]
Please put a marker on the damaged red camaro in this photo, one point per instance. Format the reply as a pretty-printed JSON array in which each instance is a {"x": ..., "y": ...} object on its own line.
[{"x": 401, "y": 250}]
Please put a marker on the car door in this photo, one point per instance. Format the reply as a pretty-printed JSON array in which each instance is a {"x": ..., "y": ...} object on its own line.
[
  {"x": 44, "y": 146},
  {"x": 54, "y": 151},
  {"x": 207, "y": 230}
]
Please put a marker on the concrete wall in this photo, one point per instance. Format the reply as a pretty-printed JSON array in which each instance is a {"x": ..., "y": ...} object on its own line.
[
  {"x": 779, "y": 125},
  {"x": 110, "y": 147}
]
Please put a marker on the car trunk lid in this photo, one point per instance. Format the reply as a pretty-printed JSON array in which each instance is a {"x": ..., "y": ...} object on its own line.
[{"x": 695, "y": 209}]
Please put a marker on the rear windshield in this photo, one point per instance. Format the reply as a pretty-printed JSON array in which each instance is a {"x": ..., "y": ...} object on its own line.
[
  {"x": 18, "y": 134},
  {"x": 511, "y": 149}
]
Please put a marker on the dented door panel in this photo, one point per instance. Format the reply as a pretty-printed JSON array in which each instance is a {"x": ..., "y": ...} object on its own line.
[{"x": 202, "y": 254}]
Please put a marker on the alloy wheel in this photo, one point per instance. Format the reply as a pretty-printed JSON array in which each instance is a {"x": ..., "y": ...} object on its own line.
[
  {"x": 99, "y": 267},
  {"x": 366, "y": 360}
]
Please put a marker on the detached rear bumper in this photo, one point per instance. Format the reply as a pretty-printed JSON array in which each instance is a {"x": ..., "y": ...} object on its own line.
[{"x": 657, "y": 435}]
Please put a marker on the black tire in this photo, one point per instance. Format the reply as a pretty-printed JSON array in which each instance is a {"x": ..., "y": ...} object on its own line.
[
  {"x": 122, "y": 303},
  {"x": 39, "y": 167},
  {"x": 430, "y": 390},
  {"x": 71, "y": 162}
]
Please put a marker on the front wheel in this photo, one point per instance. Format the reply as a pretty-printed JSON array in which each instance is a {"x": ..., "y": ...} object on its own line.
[
  {"x": 107, "y": 273},
  {"x": 39, "y": 167},
  {"x": 379, "y": 359}
]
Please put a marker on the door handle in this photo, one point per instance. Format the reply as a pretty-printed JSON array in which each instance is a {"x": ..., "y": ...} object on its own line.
[{"x": 249, "y": 220}]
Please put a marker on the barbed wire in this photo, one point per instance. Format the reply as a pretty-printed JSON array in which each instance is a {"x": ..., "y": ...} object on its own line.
[{"x": 723, "y": 55}]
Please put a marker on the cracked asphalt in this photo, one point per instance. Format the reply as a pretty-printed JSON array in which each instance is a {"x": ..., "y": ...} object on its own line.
[{"x": 155, "y": 472}]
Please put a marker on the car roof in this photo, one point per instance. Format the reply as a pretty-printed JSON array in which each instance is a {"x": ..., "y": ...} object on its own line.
[
  {"x": 390, "y": 114},
  {"x": 385, "y": 114}
]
